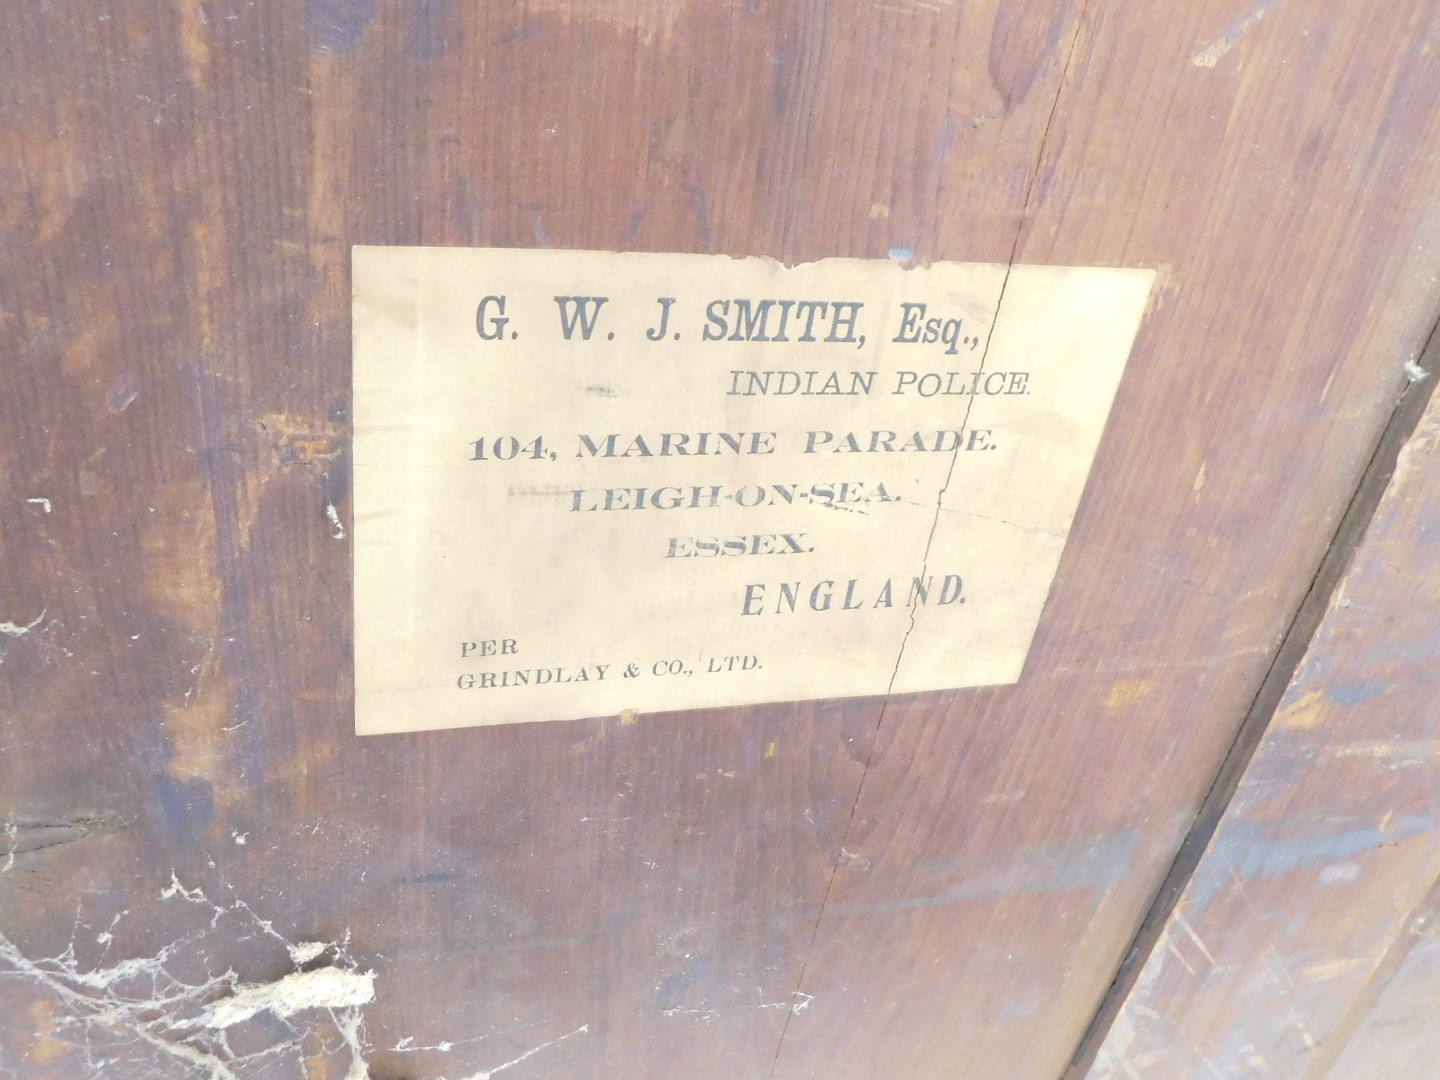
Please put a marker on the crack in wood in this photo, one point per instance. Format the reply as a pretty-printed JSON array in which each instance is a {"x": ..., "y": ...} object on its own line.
[
  {"x": 1409, "y": 407},
  {"x": 925, "y": 556}
]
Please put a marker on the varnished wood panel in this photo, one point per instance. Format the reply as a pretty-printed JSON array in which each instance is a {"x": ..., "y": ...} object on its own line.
[
  {"x": 1313, "y": 897},
  {"x": 180, "y": 184},
  {"x": 1006, "y": 841},
  {"x": 183, "y": 184},
  {"x": 1391, "y": 1029}
]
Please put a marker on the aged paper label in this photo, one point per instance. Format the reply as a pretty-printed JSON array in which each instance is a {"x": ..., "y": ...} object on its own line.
[{"x": 588, "y": 482}]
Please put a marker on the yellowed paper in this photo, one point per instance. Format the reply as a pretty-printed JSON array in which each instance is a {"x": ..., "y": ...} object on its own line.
[{"x": 588, "y": 482}]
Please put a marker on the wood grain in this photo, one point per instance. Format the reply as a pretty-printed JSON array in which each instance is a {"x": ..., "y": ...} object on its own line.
[
  {"x": 943, "y": 882},
  {"x": 186, "y": 185},
  {"x": 1307, "y": 918},
  {"x": 1390, "y": 1029},
  {"x": 1006, "y": 841}
]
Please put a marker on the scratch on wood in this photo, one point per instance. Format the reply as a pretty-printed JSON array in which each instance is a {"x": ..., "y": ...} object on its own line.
[
  {"x": 1184, "y": 924},
  {"x": 1210, "y": 53}
]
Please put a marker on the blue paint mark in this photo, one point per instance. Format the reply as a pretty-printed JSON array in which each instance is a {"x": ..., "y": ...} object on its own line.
[
  {"x": 1403, "y": 654},
  {"x": 675, "y": 989},
  {"x": 942, "y": 144},
  {"x": 902, "y": 254},
  {"x": 1348, "y": 694},
  {"x": 186, "y": 808},
  {"x": 430, "y": 879},
  {"x": 338, "y": 25},
  {"x": 154, "y": 749},
  {"x": 1095, "y": 863},
  {"x": 427, "y": 29},
  {"x": 1243, "y": 850}
]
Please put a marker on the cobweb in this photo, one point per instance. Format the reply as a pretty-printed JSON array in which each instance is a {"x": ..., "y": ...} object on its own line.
[{"x": 171, "y": 1014}]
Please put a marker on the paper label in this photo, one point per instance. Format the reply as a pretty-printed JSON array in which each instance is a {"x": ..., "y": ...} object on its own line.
[{"x": 589, "y": 482}]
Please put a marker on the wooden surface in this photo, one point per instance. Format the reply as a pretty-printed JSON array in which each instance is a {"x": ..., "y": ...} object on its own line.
[
  {"x": 932, "y": 886},
  {"x": 1010, "y": 838},
  {"x": 1391, "y": 1029},
  {"x": 1316, "y": 896}
]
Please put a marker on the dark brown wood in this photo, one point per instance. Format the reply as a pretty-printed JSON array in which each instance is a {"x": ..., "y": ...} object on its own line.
[
  {"x": 186, "y": 183},
  {"x": 930, "y": 886},
  {"x": 1007, "y": 841},
  {"x": 1294, "y": 649},
  {"x": 1301, "y": 925}
]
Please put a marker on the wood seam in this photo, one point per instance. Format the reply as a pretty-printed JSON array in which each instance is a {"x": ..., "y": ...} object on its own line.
[{"x": 1410, "y": 403}]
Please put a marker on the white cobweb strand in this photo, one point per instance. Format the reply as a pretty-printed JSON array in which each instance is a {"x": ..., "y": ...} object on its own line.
[{"x": 144, "y": 1001}]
